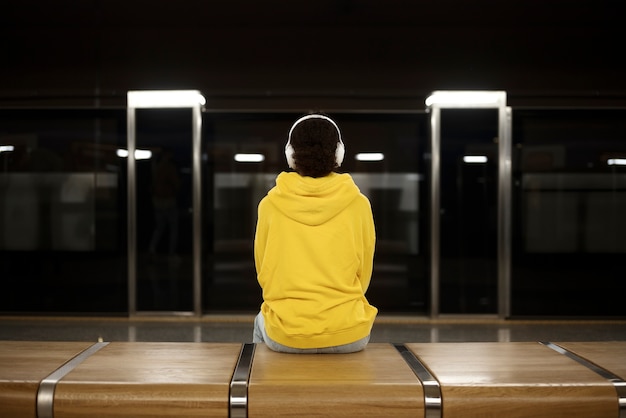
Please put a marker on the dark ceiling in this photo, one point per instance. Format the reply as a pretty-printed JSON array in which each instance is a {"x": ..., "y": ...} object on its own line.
[{"x": 338, "y": 48}]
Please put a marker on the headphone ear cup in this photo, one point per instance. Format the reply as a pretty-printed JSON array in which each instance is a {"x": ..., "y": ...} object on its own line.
[
  {"x": 289, "y": 155},
  {"x": 340, "y": 153}
]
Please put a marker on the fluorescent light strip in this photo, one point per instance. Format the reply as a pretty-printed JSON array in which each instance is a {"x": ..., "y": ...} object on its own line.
[
  {"x": 466, "y": 98},
  {"x": 249, "y": 158},
  {"x": 370, "y": 156},
  {"x": 475, "y": 159},
  {"x": 6, "y": 148},
  {"x": 165, "y": 99},
  {"x": 616, "y": 161},
  {"x": 140, "y": 154}
]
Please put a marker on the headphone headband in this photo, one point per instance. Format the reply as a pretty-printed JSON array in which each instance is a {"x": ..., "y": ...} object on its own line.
[{"x": 315, "y": 116}]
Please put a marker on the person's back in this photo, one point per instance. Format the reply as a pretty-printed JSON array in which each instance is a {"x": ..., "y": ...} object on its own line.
[{"x": 314, "y": 248}]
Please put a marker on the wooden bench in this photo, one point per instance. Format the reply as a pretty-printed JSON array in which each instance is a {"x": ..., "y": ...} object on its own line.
[
  {"x": 429, "y": 380},
  {"x": 515, "y": 380},
  {"x": 148, "y": 380},
  {"x": 376, "y": 382},
  {"x": 609, "y": 355},
  {"x": 23, "y": 366}
]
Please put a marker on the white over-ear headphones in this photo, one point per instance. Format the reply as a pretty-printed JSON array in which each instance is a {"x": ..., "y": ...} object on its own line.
[{"x": 339, "y": 152}]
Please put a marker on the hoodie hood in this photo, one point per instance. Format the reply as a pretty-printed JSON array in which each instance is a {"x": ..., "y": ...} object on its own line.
[{"x": 313, "y": 201}]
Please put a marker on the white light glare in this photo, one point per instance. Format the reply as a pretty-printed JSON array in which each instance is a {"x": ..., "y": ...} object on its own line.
[
  {"x": 616, "y": 161},
  {"x": 474, "y": 159},
  {"x": 466, "y": 98},
  {"x": 6, "y": 148},
  {"x": 140, "y": 154},
  {"x": 165, "y": 99},
  {"x": 370, "y": 156},
  {"x": 249, "y": 158}
]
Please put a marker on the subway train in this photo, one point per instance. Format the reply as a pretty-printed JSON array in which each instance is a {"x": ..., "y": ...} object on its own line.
[{"x": 479, "y": 210}]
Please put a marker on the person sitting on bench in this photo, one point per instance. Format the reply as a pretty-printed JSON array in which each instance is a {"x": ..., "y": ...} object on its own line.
[{"x": 314, "y": 249}]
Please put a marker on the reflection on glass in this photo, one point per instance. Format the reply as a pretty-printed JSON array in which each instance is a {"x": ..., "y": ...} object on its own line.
[
  {"x": 61, "y": 187},
  {"x": 616, "y": 161},
  {"x": 370, "y": 156},
  {"x": 140, "y": 154},
  {"x": 63, "y": 205},
  {"x": 387, "y": 176},
  {"x": 469, "y": 169},
  {"x": 249, "y": 158},
  {"x": 570, "y": 229},
  {"x": 475, "y": 159},
  {"x": 164, "y": 224}
]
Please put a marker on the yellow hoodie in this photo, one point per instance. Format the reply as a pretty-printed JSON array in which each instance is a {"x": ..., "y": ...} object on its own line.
[{"x": 314, "y": 249}]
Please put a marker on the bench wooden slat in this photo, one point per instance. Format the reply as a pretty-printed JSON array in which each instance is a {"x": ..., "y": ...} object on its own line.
[
  {"x": 23, "y": 364},
  {"x": 514, "y": 380},
  {"x": 150, "y": 379},
  {"x": 376, "y": 382},
  {"x": 610, "y": 355}
]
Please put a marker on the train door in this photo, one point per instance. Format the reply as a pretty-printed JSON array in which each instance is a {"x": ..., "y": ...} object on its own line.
[
  {"x": 470, "y": 202},
  {"x": 163, "y": 153}
]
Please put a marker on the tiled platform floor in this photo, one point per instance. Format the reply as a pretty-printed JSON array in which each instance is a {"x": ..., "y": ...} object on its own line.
[{"x": 238, "y": 328}]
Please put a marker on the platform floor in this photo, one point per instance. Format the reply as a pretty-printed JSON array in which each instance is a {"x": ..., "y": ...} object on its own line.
[{"x": 238, "y": 328}]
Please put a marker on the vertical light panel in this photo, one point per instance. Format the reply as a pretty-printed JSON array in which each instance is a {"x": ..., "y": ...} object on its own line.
[
  {"x": 472, "y": 99},
  {"x": 504, "y": 211},
  {"x": 164, "y": 99},
  {"x": 435, "y": 205}
]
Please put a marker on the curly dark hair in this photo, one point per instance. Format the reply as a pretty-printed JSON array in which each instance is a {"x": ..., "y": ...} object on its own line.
[{"x": 314, "y": 142}]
